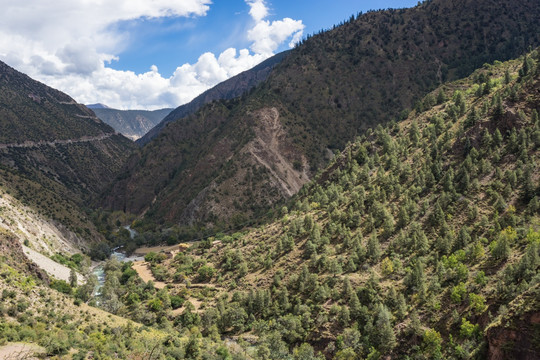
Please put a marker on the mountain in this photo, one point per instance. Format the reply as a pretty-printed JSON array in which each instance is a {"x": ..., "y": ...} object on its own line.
[
  {"x": 229, "y": 89},
  {"x": 421, "y": 240},
  {"x": 55, "y": 154},
  {"x": 131, "y": 123},
  {"x": 97, "y": 106},
  {"x": 231, "y": 160}
]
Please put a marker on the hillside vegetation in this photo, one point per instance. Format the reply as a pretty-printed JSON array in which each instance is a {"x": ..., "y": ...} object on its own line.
[
  {"x": 421, "y": 240},
  {"x": 54, "y": 153},
  {"x": 229, "y": 162}
]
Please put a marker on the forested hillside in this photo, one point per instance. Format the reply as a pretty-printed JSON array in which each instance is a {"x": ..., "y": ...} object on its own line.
[
  {"x": 229, "y": 162},
  {"x": 421, "y": 240},
  {"x": 54, "y": 153}
]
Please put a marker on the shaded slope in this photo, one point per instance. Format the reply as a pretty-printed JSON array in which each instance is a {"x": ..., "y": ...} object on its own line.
[
  {"x": 54, "y": 153},
  {"x": 32, "y": 111},
  {"x": 326, "y": 91}
]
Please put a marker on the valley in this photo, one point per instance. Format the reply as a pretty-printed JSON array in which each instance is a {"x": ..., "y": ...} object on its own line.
[{"x": 371, "y": 193}]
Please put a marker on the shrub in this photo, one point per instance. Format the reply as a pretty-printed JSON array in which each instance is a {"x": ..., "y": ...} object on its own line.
[
  {"x": 61, "y": 286},
  {"x": 468, "y": 330},
  {"x": 477, "y": 303},
  {"x": 458, "y": 293},
  {"x": 432, "y": 342},
  {"x": 177, "y": 301},
  {"x": 206, "y": 272}
]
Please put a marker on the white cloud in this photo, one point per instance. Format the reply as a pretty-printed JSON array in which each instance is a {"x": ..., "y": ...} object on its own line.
[
  {"x": 258, "y": 9},
  {"x": 267, "y": 36},
  {"x": 67, "y": 44}
]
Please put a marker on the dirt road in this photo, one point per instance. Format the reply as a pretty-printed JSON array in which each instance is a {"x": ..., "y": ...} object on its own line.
[{"x": 31, "y": 144}]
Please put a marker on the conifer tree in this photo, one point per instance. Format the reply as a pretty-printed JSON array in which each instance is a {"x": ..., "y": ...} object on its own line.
[
  {"x": 386, "y": 338},
  {"x": 373, "y": 248}
]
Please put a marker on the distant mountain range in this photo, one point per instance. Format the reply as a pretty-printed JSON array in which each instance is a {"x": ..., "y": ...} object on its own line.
[
  {"x": 130, "y": 123},
  {"x": 97, "y": 106}
]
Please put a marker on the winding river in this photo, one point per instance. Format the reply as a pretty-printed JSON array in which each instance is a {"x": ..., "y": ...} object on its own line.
[{"x": 99, "y": 271}]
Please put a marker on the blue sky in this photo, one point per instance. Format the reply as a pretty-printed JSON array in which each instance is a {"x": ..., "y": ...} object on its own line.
[
  {"x": 142, "y": 54},
  {"x": 169, "y": 42}
]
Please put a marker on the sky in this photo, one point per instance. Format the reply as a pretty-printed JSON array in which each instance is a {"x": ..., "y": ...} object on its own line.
[{"x": 151, "y": 54}]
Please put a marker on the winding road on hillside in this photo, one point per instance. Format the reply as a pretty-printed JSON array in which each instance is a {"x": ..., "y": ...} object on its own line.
[{"x": 31, "y": 144}]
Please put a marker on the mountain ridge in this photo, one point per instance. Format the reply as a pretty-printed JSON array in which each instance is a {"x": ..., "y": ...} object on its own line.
[
  {"x": 327, "y": 90},
  {"x": 55, "y": 154},
  {"x": 421, "y": 239},
  {"x": 231, "y": 88}
]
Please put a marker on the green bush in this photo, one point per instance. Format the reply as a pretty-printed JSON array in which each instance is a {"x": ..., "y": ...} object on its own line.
[{"x": 61, "y": 286}]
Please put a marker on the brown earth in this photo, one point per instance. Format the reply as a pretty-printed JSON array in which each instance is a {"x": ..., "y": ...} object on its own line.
[
  {"x": 142, "y": 269},
  {"x": 13, "y": 351}
]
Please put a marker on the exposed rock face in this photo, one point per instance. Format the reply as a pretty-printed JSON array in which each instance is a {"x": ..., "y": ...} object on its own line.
[
  {"x": 270, "y": 148},
  {"x": 519, "y": 339},
  {"x": 270, "y": 157}
]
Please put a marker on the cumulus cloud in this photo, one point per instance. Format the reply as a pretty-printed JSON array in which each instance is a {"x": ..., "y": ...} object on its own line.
[
  {"x": 267, "y": 36},
  {"x": 258, "y": 9},
  {"x": 68, "y": 45}
]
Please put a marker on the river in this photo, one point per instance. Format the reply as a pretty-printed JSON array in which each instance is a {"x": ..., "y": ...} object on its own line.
[{"x": 99, "y": 271}]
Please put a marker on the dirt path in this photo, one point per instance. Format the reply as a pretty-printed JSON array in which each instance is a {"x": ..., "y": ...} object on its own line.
[
  {"x": 161, "y": 249},
  {"x": 141, "y": 267},
  {"x": 14, "y": 351},
  {"x": 196, "y": 304},
  {"x": 31, "y": 144},
  {"x": 51, "y": 267}
]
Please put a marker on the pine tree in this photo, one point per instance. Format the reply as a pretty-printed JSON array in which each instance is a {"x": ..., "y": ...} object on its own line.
[
  {"x": 488, "y": 86},
  {"x": 507, "y": 77},
  {"x": 497, "y": 138},
  {"x": 525, "y": 68},
  {"x": 472, "y": 118},
  {"x": 386, "y": 339},
  {"x": 441, "y": 97},
  {"x": 373, "y": 248},
  {"x": 72, "y": 278},
  {"x": 498, "y": 111}
]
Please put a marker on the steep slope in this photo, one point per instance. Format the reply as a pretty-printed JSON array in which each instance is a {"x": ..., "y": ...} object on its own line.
[
  {"x": 33, "y": 313},
  {"x": 420, "y": 240},
  {"x": 131, "y": 123},
  {"x": 54, "y": 153},
  {"x": 215, "y": 165},
  {"x": 226, "y": 90},
  {"x": 31, "y": 111}
]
